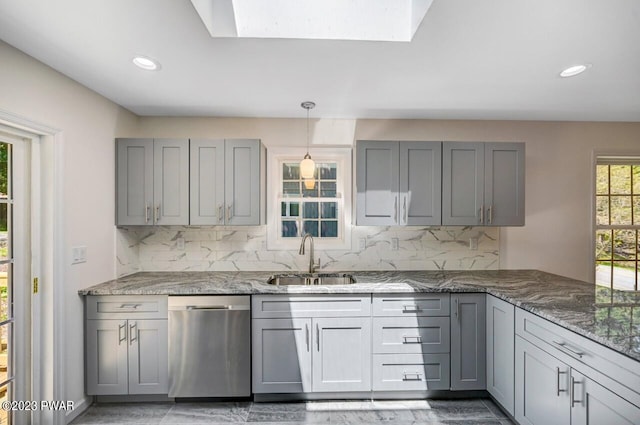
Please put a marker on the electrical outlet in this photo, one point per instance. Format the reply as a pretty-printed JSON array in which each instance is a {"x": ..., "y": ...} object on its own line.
[
  {"x": 473, "y": 244},
  {"x": 180, "y": 244},
  {"x": 362, "y": 244},
  {"x": 78, "y": 254},
  {"x": 395, "y": 244}
]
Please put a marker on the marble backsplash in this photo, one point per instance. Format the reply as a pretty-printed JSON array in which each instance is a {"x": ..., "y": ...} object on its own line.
[{"x": 232, "y": 248}]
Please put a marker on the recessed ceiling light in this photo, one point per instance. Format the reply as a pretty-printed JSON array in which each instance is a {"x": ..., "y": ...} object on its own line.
[
  {"x": 574, "y": 70},
  {"x": 146, "y": 63}
]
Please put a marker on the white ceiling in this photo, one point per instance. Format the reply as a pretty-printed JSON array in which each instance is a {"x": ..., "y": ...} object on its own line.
[{"x": 470, "y": 59}]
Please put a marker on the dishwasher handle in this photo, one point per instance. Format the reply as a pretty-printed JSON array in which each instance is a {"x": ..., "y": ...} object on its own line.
[{"x": 209, "y": 307}]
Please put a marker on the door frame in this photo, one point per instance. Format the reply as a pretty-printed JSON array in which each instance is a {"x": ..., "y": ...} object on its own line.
[{"x": 47, "y": 224}]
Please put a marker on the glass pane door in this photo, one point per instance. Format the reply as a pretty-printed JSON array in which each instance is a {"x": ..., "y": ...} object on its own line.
[{"x": 6, "y": 281}]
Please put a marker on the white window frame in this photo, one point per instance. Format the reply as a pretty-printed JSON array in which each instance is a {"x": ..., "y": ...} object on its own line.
[{"x": 275, "y": 158}]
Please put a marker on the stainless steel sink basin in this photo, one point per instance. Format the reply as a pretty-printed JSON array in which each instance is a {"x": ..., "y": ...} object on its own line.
[{"x": 311, "y": 279}]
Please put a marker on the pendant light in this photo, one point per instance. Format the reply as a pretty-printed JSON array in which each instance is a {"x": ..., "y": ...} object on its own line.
[{"x": 307, "y": 166}]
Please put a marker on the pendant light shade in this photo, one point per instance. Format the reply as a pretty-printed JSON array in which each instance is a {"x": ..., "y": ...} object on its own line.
[{"x": 307, "y": 166}]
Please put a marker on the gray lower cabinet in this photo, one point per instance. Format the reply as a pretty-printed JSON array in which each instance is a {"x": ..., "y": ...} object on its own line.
[
  {"x": 152, "y": 185},
  {"x": 542, "y": 387},
  {"x": 483, "y": 184},
  {"x": 398, "y": 183},
  {"x": 592, "y": 403},
  {"x": 500, "y": 351},
  {"x": 468, "y": 342},
  {"x": 319, "y": 354},
  {"x": 127, "y": 357},
  {"x": 410, "y": 372},
  {"x": 281, "y": 360}
]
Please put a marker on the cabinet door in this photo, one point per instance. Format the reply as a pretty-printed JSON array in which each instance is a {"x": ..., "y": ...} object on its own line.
[
  {"x": 242, "y": 182},
  {"x": 420, "y": 183},
  {"x": 106, "y": 357},
  {"x": 148, "y": 357},
  {"x": 206, "y": 182},
  {"x": 463, "y": 184},
  {"x": 377, "y": 182},
  {"x": 500, "y": 351},
  {"x": 504, "y": 184},
  {"x": 341, "y": 354},
  {"x": 281, "y": 355},
  {"x": 591, "y": 403},
  {"x": 468, "y": 342},
  {"x": 171, "y": 181},
  {"x": 134, "y": 181},
  {"x": 542, "y": 387}
]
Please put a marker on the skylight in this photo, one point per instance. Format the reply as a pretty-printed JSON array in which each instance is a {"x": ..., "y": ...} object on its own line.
[{"x": 366, "y": 20}]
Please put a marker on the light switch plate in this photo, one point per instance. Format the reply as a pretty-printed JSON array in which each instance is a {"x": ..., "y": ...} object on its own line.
[
  {"x": 180, "y": 244},
  {"x": 78, "y": 254},
  {"x": 362, "y": 244},
  {"x": 395, "y": 244}
]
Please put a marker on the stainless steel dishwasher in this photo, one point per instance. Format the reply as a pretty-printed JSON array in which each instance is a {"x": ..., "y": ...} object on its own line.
[{"x": 209, "y": 346}]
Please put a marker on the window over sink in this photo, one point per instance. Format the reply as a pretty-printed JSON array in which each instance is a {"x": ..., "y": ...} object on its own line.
[{"x": 320, "y": 206}]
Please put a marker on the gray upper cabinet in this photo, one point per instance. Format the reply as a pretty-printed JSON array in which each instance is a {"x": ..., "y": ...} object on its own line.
[
  {"x": 377, "y": 181},
  {"x": 152, "y": 182},
  {"x": 500, "y": 351},
  {"x": 225, "y": 182},
  {"x": 468, "y": 342},
  {"x": 398, "y": 183},
  {"x": 483, "y": 184}
]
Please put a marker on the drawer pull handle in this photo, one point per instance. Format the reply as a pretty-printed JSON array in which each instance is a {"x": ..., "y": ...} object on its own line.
[
  {"x": 410, "y": 308},
  {"x": 129, "y": 306},
  {"x": 564, "y": 347},
  {"x": 411, "y": 376},
  {"x": 417, "y": 339},
  {"x": 558, "y": 390}
]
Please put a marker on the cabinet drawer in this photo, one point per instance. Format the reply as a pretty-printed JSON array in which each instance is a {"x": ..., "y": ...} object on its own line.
[
  {"x": 577, "y": 349},
  {"x": 284, "y": 306},
  {"x": 127, "y": 306},
  {"x": 411, "y": 305},
  {"x": 411, "y": 335},
  {"x": 410, "y": 372}
]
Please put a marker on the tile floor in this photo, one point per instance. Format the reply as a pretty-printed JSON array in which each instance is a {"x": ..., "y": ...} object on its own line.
[{"x": 409, "y": 412}]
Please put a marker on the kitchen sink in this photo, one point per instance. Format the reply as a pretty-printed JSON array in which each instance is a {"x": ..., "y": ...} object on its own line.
[{"x": 311, "y": 279}]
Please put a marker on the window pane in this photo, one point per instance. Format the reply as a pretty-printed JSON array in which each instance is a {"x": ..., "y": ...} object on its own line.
[
  {"x": 291, "y": 188},
  {"x": 636, "y": 210},
  {"x": 602, "y": 179},
  {"x": 329, "y": 210},
  {"x": 5, "y": 222},
  {"x": 329, "y": 229},
  {"x": 311, "y": 227},
  {"x": 636, "y": 179},
  {"x": 620, "y": 179},
  {"x": 310, "y": 193},
  {"x": 290, "y": 209},
  {"x": 603, "y": 273},
  {"x": 310, "y": 210},
  {"x": 624, "y": 244},
  {"x": 289, "y": 229},
  {"x": 5, "y": 292},
  {"x": 602, "y": 210},
  {"x": 328, "y": 171},
  {"x": 4, "y": 170},
  {"x": 603, "y": 245},
  {"x": 328, "y": 189},
  {"x": 5, "y": 335},
  {"x": 624, "y": 275},
  {"x": 4, "y": 396},
  {"x": 291, "y": 171},
  {"x": 621, "y": 210}
]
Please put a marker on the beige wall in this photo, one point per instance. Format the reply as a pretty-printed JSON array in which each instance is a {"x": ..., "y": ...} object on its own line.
[
  {"x": 557, "y": 234},
  {"x": 88, "y": 123}
]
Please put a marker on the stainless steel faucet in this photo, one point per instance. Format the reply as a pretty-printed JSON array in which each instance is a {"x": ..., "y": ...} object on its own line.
[{"x": 312, "y": 266}]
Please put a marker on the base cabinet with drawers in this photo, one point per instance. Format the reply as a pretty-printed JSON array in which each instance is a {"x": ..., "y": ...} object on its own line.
[
  {"x": 298, "y": 347},
  {"x": 411, "y": 342},
  {"x": 558, "y": 377},
  {"x": 126, "y": 345}
]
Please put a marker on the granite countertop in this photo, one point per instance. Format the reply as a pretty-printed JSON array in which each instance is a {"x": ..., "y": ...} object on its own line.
[{"x": 600, "y": 314}]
